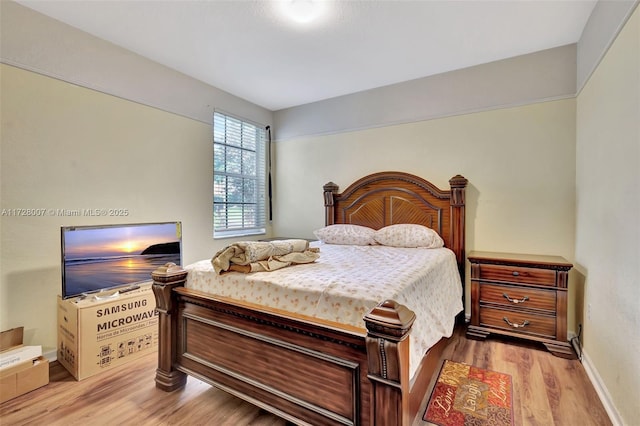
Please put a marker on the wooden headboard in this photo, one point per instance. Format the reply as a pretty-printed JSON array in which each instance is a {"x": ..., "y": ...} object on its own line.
[{"x": 388, "y": 198}]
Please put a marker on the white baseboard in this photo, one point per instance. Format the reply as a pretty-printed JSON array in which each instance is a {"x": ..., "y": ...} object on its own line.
[
  {"x": 50, "y": 354},
  {"x": 601, "y": 390}
]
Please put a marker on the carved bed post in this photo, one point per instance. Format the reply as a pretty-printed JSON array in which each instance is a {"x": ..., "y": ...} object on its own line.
[
  {"x": 165, "y": 279},
  {"x": 330, "y": 189},
  {"x": 388, "y": 326},
  {"x": 458, "y": 184}
]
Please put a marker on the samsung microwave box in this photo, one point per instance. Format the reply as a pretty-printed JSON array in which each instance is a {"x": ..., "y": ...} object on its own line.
[
  {"x": 102, "y": 331},
  {"x": 22, "y": 368}
]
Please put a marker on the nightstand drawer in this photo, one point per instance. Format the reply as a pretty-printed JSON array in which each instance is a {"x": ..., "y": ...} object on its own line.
[
  {"x": 519, "y": 322},
  {"x": 517, "y": 274},
  {"x": 518, "y": 297}
]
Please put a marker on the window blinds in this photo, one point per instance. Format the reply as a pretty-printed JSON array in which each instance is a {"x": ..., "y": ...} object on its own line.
[{"x": 238, "y": 176}]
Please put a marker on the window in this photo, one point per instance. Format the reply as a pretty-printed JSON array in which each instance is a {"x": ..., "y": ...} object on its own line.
[{"x": 238, "y": 177}]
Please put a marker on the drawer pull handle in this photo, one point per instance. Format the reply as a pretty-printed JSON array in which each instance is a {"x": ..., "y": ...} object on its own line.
[
  {"x": 515, "y": 273},
  {"x": 515, "y": 301},
  {"x": 524, "y": 323}
]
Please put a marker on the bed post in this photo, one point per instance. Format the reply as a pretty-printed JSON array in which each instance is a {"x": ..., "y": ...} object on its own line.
[
  {"x": 165, "y": 279},
  {"x": 458, "y": 184},
  {"x": 330, "y": 189},
  {"x": 388, "y": 326}
]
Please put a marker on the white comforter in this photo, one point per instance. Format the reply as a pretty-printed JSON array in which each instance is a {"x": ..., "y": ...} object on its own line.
[{"x": 346, "y": 282}]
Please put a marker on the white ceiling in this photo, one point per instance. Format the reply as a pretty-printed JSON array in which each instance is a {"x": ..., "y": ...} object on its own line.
[{"x": 254, "y": 51}]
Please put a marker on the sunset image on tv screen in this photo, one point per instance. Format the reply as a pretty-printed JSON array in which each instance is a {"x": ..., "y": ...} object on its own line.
[{"x": 96, "y": 258}]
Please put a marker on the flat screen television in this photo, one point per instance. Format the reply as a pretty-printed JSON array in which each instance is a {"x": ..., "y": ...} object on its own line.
[{"x": 107, "y": 257}]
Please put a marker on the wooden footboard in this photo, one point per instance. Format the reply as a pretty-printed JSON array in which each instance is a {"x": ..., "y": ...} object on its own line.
[{"x": 304, "y": 371}]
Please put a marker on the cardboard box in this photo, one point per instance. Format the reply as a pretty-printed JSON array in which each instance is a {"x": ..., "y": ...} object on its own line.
[
  {"x": 96, "y": 335},
  {"x": 18, "y": 355},
  {"x": 22, "y": 377}
]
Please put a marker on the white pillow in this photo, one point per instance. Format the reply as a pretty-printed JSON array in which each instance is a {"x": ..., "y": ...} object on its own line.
[
  {"x": 346, "y": 234},
  {"x": 408, "y": 235}
]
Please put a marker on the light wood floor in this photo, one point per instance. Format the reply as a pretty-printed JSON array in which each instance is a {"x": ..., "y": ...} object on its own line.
[{"x": 547, "y": 391}]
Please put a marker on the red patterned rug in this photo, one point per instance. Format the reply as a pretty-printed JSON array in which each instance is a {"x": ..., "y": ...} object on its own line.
[{"x": 465, "y": 395}]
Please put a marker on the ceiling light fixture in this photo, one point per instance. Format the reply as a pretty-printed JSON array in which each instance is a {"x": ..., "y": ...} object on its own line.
[{"x": 303, "y": 11}]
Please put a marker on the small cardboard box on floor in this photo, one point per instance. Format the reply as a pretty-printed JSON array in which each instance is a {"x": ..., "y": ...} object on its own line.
[
  {"x": 23, "y": 371},
  {"x": 96, "y": 334}
]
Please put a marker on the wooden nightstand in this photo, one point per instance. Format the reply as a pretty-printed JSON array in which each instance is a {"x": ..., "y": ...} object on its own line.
[{"x": 520, "y": 295}]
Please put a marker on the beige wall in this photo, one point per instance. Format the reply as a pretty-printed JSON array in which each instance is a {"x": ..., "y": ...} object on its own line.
[
  {"x": 608, "y": 220},
  {"x": 520, "y": 163},
  {"x": 68, "y": 147}
]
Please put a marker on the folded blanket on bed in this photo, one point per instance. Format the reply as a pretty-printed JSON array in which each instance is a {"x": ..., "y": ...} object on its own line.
[{"x": 259, "y": 256}]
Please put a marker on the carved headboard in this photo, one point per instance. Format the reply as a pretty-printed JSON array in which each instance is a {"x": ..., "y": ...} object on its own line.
[{"x": 388, "y": 198}]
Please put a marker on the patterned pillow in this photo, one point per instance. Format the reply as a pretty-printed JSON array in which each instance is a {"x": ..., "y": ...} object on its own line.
[
  {"x": 346, "y": 235},
  {"x": 408, "y": 235}
]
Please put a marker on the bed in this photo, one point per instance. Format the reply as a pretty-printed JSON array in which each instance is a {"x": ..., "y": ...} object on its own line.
[{"x": 306, "y": 369}]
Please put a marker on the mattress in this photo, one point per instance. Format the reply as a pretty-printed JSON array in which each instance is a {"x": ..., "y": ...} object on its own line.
[{"x": 347, "y": 281}]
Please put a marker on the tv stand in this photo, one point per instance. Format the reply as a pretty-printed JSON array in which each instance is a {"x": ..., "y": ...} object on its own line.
[
  {"x": 128, "y": 288},
  {"x": 106, "y": 295}
]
